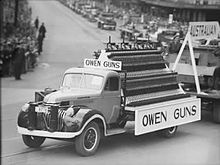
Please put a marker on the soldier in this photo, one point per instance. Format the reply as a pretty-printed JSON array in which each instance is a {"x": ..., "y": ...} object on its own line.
[{"x": 175, "y": 45}]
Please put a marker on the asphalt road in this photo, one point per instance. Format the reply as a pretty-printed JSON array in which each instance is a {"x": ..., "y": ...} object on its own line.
[{"x": 70, "y": 39}]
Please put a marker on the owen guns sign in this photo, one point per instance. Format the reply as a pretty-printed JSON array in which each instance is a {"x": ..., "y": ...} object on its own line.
[
  {"x": 164, "y": 115},
  {"x": 102, "y": 64}
]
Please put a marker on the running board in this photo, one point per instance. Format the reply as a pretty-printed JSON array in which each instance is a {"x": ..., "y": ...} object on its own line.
[{"x": 115, "y": 131}]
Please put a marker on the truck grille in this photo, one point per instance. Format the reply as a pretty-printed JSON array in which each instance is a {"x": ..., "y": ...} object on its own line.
[{"x": 44, "y": 120}]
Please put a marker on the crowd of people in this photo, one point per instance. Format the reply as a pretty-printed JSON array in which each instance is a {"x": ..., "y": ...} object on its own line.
[{"x": 21, "y": 45}]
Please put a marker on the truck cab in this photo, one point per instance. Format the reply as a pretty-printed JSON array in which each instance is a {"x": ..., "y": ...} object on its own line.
[{"x": 94, "y": 88}]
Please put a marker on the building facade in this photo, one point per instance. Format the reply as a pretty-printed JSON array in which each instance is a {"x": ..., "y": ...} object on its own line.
[{"x": 184, "y": 10}]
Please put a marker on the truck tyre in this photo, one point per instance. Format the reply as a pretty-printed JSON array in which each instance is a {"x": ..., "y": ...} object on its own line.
[
  {"x": 169, "y": 132},
  {"x": 216, "y": 112},
  {"x": 87, "y": 143},
  {"x": 33, "y": 141}
]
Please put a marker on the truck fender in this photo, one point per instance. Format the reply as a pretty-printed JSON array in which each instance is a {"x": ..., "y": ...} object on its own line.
[{"x": 83, "y": 117}]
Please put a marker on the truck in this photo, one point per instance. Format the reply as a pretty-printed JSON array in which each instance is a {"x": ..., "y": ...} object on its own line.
[
  {"x": 125, "y": 90},
  {"x": 106, "y": 21},
  {"x": 204, "y": 49}
]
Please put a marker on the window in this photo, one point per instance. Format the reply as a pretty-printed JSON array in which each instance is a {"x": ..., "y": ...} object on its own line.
[
  {"x": 85, "y": 81},
  {"x": 112, "y": 84}
]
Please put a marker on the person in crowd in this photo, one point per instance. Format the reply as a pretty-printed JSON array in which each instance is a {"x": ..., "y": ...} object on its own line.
[
  {"x": 18, "y": 60},
  {"x": 8, "y": 29},
  {"x": 42, "y": 30},
  {"x": 36, "y": 23},
  {"x": 6, "y": 58}
]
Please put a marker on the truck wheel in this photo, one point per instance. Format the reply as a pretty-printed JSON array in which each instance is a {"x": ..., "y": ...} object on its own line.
[
  {"x": 216, "y": 112},
  {"x": 33, "y": 141},
  {"x": 87, "y": 143},
  {"x": 169, "y": 132}
]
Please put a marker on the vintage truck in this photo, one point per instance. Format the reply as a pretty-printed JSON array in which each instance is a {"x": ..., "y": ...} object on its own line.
[
  {"x": 124, "y": 86},
  {"x": 199, "y": 63}
]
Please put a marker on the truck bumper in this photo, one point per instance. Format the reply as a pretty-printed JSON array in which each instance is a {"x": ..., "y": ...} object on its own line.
[{"x": 68, "y": 135}]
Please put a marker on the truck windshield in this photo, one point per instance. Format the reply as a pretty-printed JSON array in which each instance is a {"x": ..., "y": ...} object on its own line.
[{"x": 82, "y": 80}]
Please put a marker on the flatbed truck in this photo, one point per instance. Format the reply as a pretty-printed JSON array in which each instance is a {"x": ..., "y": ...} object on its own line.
[{"x": 123, "y": 85}]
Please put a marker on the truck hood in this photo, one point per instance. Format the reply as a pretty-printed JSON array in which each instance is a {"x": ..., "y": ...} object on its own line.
[{"x": 70, "y": 94}]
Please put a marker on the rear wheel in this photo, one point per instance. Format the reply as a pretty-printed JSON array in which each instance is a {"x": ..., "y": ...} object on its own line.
[
  {"x": 87, "y": 143},
  {"x": 169, "y": 132},
  {"x": 33, "y": 141}
]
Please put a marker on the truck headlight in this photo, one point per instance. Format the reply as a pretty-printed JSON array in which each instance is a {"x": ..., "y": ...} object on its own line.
[{"x": 25, "y": 107}]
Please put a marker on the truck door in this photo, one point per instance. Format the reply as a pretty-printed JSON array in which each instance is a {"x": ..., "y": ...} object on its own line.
[{"x": 111, "y": 98}]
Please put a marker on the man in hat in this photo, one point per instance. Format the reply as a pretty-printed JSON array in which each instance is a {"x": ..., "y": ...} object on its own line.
[
  {"x": 42, "y": 30},
  {"x": 6, "y": 57},
  {"x": 175, "y": 45}
]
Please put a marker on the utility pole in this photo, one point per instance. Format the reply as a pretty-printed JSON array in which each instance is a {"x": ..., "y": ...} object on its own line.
[
  {"x": 16, "y": 12},
  {"x": 1, "y": 18}
]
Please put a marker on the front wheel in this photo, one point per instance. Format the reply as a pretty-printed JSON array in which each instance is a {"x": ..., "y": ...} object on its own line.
[
  {"x": 169, "y": 132},
  {"x": 87, "y": 143},
  {"x": 33, "y": 141}
]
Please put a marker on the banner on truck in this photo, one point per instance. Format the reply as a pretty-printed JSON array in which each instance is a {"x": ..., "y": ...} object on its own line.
[
  {"x": 165, "y": 115},
  {"x": 102, "y": 64},
  {"x": 204, "y": 30}
]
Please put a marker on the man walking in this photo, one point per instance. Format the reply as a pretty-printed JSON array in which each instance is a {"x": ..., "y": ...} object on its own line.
[{"x": 42, "y": 30}]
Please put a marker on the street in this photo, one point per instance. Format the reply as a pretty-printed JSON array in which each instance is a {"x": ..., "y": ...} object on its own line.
[{"x": 69, "y": 39}]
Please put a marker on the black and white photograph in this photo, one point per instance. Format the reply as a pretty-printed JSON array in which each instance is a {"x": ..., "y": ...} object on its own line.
[{"x": 110, "y": 82}]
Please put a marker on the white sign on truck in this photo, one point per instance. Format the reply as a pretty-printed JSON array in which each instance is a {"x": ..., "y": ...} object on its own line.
[
  {"x": 201, "y": 30},
  {"x": 163, "y": 115},
  {"x": 102, "y": 64}
]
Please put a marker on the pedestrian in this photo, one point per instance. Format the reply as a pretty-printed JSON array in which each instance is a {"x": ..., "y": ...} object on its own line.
[
  {"x": 42, "y": 30},
  {"x": 36, "y": 23},
  {"x": 6, "y": 58},
  {"x": 40, "y": 39},
  {"x": 18, "y": 61}
]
